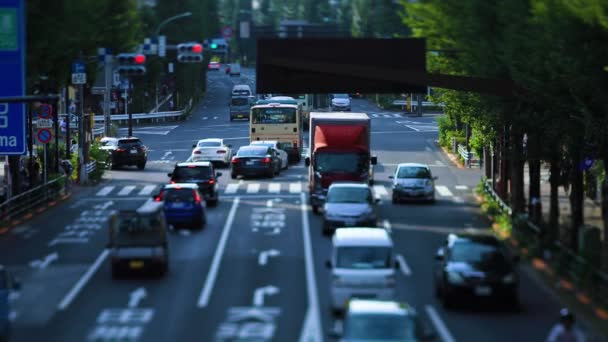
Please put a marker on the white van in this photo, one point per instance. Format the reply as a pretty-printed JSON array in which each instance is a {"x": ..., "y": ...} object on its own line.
[
  {"x": 235, "y": 69},
  {"x": 241, "y": 90},
  {"x": 362, "y": 266}
]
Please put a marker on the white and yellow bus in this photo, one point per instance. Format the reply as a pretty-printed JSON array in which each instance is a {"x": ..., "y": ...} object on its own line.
[{"x": 280, "y": 122}]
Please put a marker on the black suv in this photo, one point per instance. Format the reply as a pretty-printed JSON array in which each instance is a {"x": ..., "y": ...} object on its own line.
[
  {"x": 203, "y": 174},
  {"x": 125, "y": 151}
]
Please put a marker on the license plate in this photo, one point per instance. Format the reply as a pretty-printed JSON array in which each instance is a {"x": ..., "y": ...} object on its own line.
[
  {"x": 133, "y": 151},
  {"x": 483, "y": 290},
  {"x": 249, "y": 163},
  {"x": 136, "y": 264},
  {"x": 178, "y": 205}
]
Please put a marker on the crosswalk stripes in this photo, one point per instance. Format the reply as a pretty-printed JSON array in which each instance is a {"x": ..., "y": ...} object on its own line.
[
  {"x": 253, "y": 188},
  {"x": 461, "y": 187},
  {"x": 295, "y": 188},
  {"x": 147, "y": 190},
  {"x": 274, "y": 188},
  {"x": 232, "y": 188},
  {"x": 443, "y": 190},
  {"x": 386, "y": 115},
  {"x": 126, "y": 190},
  {"x": 380, "y": 190},
  {"x": 105, "y": 191}
]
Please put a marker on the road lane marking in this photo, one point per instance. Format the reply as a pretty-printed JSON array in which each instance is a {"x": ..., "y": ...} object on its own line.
[
  {"x": 253, "y": 188},
  {"x": 205, "y": 118},
  {"x": 274, "y": 188},
  {"x": 105, "y": 190},
  {"x": 215, "y": 118},
  {"x": 311, "y": 330},
  {"x": 137, "y": 296},
  {"x": 443, "y": 191},
  {"x": 441, "y": 328},
  {"x": 413, "y": 128},
  {"x": 387, "y": 225},
  {"x": 231, "y": 188},
  {"x": 461, "y": 187},
  {"x": 380, "y": 190},
  {"x": 67, "y": 300},
  {"x": 203, "y": 299},
  {"x": 295, "y": 188},
  {"x": 126, "y": 190},
  {"x": 403, "y": 266},
  {"x": 264, "y": 255},
  {"x": 147, "y": 190},
  {"x": 260, "y": 293}
]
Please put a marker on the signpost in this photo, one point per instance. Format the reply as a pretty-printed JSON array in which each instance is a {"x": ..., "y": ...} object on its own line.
[
  {"x": 12, "y": 69},
  {"x": 79, "y": 77},
  {"x": 227, "y": 32}
]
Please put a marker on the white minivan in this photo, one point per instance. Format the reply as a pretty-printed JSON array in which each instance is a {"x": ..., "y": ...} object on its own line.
[
  {"x": 362, "y": 266},
  {"x": 235, "y": 69},
  {"x": 241, "y": 90}
]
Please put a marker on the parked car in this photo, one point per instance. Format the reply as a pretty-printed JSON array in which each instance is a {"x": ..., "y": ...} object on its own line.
[
  {"x": 138, "y": 240},
  {"x": 213, "y": 149},
  {"x": 275, "y": 146},
  {"x": 340, "y": 102},
  {"x": 255, "y": 161},
  {"x": 413, "y": 181},
  {"x": 378, "y": 320},
  {"x": 215, "y": 66},
  {"x": 475, "y": 265},
  {"x": 349, "y": 205},
  {"x": 124, "y": 151},
  {"x": 362, "y": 265},
  {"x": 201, "y": 173},
  {"x": 8, "y": 284},
  {"x": 183, "y": 205}
]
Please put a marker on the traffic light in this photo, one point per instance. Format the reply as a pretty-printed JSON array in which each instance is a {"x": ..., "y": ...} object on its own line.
[
  {"x": 214, "y": 46},
  {"x": 190, "y": 53},
  {"x": 131, "y": 64}
]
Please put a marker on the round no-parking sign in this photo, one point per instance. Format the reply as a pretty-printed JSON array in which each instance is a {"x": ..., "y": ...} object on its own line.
[
  {"x": 45, "y": 111},
  {"x": 44, "y": 135}
]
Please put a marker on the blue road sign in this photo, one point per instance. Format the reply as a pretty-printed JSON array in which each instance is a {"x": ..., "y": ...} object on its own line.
[
  {"x": 78, "y": 67},
  {"x": 45, "y": 111},
  {"x": 12, "y": 69},
  {"x": 44, "y": 135}
]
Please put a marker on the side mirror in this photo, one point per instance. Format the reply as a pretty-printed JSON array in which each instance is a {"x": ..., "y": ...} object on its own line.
[
  {"x": 194, "y": 146},
  {"x": 229, "y": 145},
  {"x": 440, "y": 254},
  {"x": 170, "y": 174},
  {"x": 307, "y": 161},
  {"x": 328, "y": 264},
  {"x": 218, "y": 174},
  {"x": 374, "y": 160},
  {"x": 391, "y": 177}
]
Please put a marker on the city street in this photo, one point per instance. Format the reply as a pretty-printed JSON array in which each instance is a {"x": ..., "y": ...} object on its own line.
[{"x": 257, "y": 270}]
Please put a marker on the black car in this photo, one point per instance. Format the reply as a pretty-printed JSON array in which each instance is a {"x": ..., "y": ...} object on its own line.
[
  {"x": 125, "y": 151},
  {"x": 201, "y": 173},
  {"x": 256, "y": 161},
  {"x": 473, "y": 265}
]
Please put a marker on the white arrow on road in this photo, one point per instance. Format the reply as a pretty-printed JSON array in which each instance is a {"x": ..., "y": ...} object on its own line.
[
  {"x": 136, "y": 296},
  {"x": 44, "y": 263},
  {"x": 104, "y": 206},
  {"x": 258, "y": 295},
  {"x": 264, "y": 255}
]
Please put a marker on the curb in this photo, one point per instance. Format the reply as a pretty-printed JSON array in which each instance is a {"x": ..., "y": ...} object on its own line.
[
  {"x": 452, "y": 158},
  {"x": 33, "y": 213}
]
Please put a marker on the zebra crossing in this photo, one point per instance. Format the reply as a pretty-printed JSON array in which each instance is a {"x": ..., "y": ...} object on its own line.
[
  {"x": 262, "y": 188},
  {"x": 386, "y": 115}
]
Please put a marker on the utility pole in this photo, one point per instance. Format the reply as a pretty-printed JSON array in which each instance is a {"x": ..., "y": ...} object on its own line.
[
  {"x": 130, "y": 133},
  {"x": 81, "y": 133},
  {"x": 106, "y": 94}
]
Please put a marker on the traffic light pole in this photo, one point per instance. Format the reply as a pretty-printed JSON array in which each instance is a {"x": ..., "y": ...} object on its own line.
[
  {"x": 130, "y": 133},
  {"x": 81, "y": 167},
  {"x": 107, "y": 117}
]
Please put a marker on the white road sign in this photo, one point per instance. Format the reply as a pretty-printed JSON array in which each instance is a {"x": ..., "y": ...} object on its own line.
[
  {"x": 162, "y": 46},
  {"x": 44, "y": 123},
  {"x": 79, "y": 78}
]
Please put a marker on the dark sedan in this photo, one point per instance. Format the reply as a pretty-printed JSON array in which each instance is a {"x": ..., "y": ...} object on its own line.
[
  {"x": 200, "y": 173},
  {"x": 255, "y": 161},
  {"x": 475, "y": 265}
]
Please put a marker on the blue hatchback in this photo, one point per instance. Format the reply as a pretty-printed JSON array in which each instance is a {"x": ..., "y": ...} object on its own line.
[{"x": 183, "y": 205}]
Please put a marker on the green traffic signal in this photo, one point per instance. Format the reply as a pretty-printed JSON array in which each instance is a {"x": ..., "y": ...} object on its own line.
[{"x": 214, "y": 46}]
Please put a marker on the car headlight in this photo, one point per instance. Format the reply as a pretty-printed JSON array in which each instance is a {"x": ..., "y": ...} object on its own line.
[
  {"x": 428, "y": 183},
  {"x": 455, "y": 278},
  {"x": 509, "y": 278}
]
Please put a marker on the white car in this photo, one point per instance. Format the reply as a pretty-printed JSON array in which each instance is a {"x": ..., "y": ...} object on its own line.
[
  {"x": 275, "y": 145},
  {"x": 212, "y": 150}
]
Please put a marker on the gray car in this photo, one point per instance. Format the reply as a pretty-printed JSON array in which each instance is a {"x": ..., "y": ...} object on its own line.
[
  {"x": 349, "y": 205},
  {"x": 413, "y": 181}
]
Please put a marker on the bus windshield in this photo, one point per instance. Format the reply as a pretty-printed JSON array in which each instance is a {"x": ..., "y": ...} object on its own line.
[{"x": 274, "y": 115}]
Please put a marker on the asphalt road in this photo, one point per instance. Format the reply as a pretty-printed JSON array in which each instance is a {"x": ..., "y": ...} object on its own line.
[{"x": 257, "y": 270}]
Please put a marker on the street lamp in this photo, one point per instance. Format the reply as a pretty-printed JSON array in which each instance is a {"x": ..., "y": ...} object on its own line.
[{"x": 168, "y": 20}]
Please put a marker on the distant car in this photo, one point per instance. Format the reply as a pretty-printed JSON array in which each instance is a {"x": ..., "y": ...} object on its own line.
[
  {"x": 241, "y": 90},
  {"x": 379, "y": 320},
  {"x": 235, "y": 69},
  {"x": 183, "y": 205},
  {"x": 475, "y": 265},
  {"x": 124, "y": 151},
  {"x": 212, "y": 149},
  {"x": 340, "y": 102},
  {"x": 255, "y": 161},
  {"x": 138, "y": 240},
  {"x": 276, "y": 146},
  {"x": 214, "y": 66},
  {"x": 413, "y": 181},
  {"x": 8, "y": 284},
  {"x": 349, "y": 205},
  {"x": 203, "y": 174}
]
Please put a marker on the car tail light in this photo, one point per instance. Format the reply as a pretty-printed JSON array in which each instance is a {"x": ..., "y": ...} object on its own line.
[
  {"x": 220, "y": 151},
  {"x": 197, "y": 197},
  {"x": 191, "y": 166},
  {"x": 172, "y": 182},
  {"x": 236, "y": 160},
  {"x": 295, "y": 144},
  {"x": 120, "y": 150},
  {"x": 266, "y": 160},
  {"x": 211, "y": 181},
  {"x": 196, "y": 152},
  {"x": 159, "y": 198}
]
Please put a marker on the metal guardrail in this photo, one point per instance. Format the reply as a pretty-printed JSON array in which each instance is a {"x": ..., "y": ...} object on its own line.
[
  {"x": 19, "y": 205},
  {"x": 91, "y": 166},
  {"x": 470, "y": 157},
  {"x": 415, "y": 103}
]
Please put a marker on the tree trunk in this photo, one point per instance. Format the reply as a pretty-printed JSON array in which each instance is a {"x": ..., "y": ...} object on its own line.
[
  {"x": 503, "y": 174},
  {"x": 487, "y": 162},
  {"x": 605, "y": 214},
  {"x": 534, "y": 166},
  {"x": 13, "y": 164},
  {"x": 552, "y": 228},
  {"x": 517, "y": 174},
  {"x": 577, "y": 197}
]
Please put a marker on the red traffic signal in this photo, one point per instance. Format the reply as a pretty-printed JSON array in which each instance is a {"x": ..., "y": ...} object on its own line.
[
  {"x": 197, "y": 48},
  {"x": 140, "y": 59}
]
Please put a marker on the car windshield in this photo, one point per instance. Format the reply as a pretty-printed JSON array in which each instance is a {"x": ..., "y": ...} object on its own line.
[
  {"x": 413, "y": 172},
  {"x": 108, "y": 142},
  {"x": 178, "y": 195},
  {"x": 363, "y": 257},
  {"x": 136, "y": 229},
  {"x": 341, "y": 162},
  {"x": 340, "y": 96},
  {"x": 273, "y": 115},
  {"x": 129, "y": 143},
  {"x": 342, "y": 194},
  {"x": 209, "y": 144},
  {"x": 241, "y": 91},
  {"x": 252, "y": 152},
  {"x": 381, "y": 327},
  {"x": 239, "y": 101},
  {"x": 471, "y": 252},
  {"x": 187, "y": 172},
  {"x": 255, "y": 143}
]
